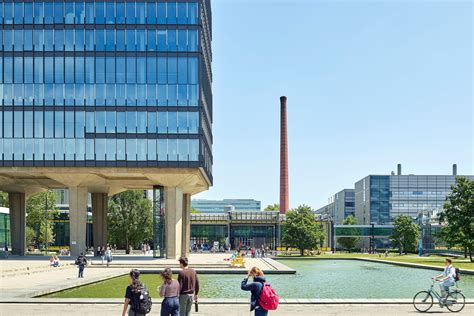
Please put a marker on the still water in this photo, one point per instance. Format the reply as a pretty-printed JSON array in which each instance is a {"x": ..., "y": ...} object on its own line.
[{"x": 336, "y": 279}]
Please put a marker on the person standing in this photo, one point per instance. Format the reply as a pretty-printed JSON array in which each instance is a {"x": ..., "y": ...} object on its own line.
[
  {"x": 169, "y": 290},
  {"x": 132, "y": 295},
  {"x": 189, "y": 287},
  {"x": 81, "y": 262},
  {"x": 108, "y": 256},
  {"x": 255, "y": 288},
  {"x": 102, "y": 254}
]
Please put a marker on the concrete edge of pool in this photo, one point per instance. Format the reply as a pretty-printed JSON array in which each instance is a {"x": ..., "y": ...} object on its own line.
[{"x": 207, "y": 301}]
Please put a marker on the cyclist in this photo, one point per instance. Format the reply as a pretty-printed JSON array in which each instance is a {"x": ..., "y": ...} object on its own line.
[{"x": 446, "y": 279}]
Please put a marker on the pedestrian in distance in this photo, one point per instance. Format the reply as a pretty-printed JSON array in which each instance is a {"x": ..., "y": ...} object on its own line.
[
  {"x": 102, "y": 254},
  {"x": 263, "y": 296},
  {"x": 169, "y": 290},
  {"x": 81, "y": 262},
  {"x": 108, "y": 256},
  {"x": 137, "y": 299},
  {"x": 189, "y": 287}
]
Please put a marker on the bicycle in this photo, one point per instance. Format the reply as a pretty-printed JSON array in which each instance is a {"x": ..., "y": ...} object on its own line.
[{"x": 454, "y": 301}]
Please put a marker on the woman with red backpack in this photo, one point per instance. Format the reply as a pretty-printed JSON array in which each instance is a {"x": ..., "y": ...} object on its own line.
[{"x": 263, "y": 297}]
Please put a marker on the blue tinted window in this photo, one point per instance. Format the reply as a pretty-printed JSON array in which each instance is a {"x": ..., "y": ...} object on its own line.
[
  {"x": 141, "y": 122},
  {"x": 59, "y": 40},
  {"x": 8, "y": 13},
  {"x": 152, "y": 122},
  {"x": 193, "y": 70},
  {"x": 18, "y": 12},
  {"x": 28, "y": 40},
  {"x": 49, "y": 9},
  {"x": 89, "y": 12},
  {"x": 100, "y": 12},
  {"x": 141, "y": 40},
  {"x": 120, "y": 73},
  {"x": 8, "y": 70},
  {"x": 18, "y": 40},
  {"x": 100, "y": 121},
  {"x": 131, "y": 69},
  {"x": 38, "y": 125},
  {"x": 141, "y": 70},
  {"x": 59, "y": 70},
  {"x": 90, "y": 122},
  {"x": 110, "y": 14},
  {"x": 193, "y": 40},
  {"x": 172, "y": 40},
  {"x": 192, "y": 13},
  {"x": 79, "y": 70},
  {"x": 38, "y": 72},
  {"x": 80, "y": 149},
  {"x": 100, "y": 149},
  {"x": 172, "y": 70},
  {"x": 18, "y": 124},
  {"x": 48, "y": 124},
  {"x": 151, "y": 39},
  {"x": 193, "y": 124},
  {"x": 38, "y": 40},
  {"x": 69, "y": 12},
  {"x": 171, "y": 8},
  {"x": 69, "y": 69},
  {"x": 131, "y": 122},
  {"x": 182, "y": 18},
  {"x": 110, "y": 68},
  {"x": 151, "y": 13},
  {"x": 161, "y": 12},
  {"x": 8, "y": 40},
  {"x": 69, "y": 40},
  {"x": 69, "y": 124},
  {"x": 110, "y": 122},
  {"x": 89, "y": 40},
  {"x": 90, "y": 70},
  {"x": 131, "y": 94},
  {"x": 99, "y": 94},
  {"x": 79, "y": 39},
  {"x": 38, "y": 12},
  {"x": 80, "y": 13},
  {"x": 120, "y": 13},
  {"x": 161, "y": 34},
  {"x": 182, "y": 70},
  {"x": 151, "y": 70},
  {"x": 162, "y": 70},
  {"x": 28, "y": 13},
  {"x": 121, "y": 122},
  {"x": 172, "y": 122},
  {"x": 130, "y": 12},
  {"x": 28, "y": 70},
  {"x": 90, "y": 151},
  {"x": 80, "y": 123},
  {"x": 131, "y": 149},
  {"x": 130, "y": 34},
  {"x": 120, "y": 149},
  {"x": 18, "y": 67},
  {"x": 58, "y": 12},
  {"x": 100, "y": 40},
  {"x": 182, "y": 40},
  {"x": 151, "y": 149},
  {"x": 109, "y": 40},
  {"x": 162, "y": 150},
  {"x": 48, "y": 40},
  {"x": 8, "y": 124},
  {"x": 140, "y": 13}
]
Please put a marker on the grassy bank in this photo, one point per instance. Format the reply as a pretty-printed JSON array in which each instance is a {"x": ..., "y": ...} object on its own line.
[{"x": 436, "y": 261}]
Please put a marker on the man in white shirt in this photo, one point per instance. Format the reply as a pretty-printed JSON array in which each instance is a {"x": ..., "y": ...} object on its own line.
[{"x": 448, "y": 278}]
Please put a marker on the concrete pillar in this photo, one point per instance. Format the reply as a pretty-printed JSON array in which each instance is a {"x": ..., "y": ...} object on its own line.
[
  {"x": 186, "y": 229},
  {"x": 18, "y": 222},
  {"x": 77, "y": 220},
  {"x": 173, "y": 221},
  {"x": 99, "y": 219}
]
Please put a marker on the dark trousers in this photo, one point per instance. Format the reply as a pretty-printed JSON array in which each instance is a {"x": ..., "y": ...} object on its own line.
[
  {"x": 260, "y": 312},
  {"x": 170, "y": 306},
  {"x": 81, "y": 272}
]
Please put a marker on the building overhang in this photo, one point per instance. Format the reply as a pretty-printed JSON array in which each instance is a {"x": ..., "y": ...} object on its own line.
[{"x": 110, "y": 180}]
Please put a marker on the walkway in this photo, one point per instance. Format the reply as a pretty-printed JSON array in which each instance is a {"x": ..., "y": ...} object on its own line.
[{"x": 228, "y": 310}]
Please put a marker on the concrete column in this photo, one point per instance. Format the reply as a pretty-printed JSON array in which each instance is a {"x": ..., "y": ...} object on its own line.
[
  {"x": 186, "y": 229},
  {"x": 99, "y": 218},
  {"x": 173, "y": 221},
  {"x": 77, "y": 220},
  {"x": 18, "y": 222}
]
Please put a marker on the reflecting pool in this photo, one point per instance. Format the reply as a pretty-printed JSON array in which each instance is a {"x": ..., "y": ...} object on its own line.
[{"x": 314, "y": 279}]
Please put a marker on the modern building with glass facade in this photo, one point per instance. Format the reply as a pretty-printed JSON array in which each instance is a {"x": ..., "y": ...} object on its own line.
[
  {"x": 225, "y": 205},
  {"x": 341, "y": 205},
  {"x": 105, "y": 96}
]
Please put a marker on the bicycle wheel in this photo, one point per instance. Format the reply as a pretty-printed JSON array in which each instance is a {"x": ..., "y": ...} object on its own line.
[
  {"x": 455, "y": 301},
  {"x": 422, "y": 301}
]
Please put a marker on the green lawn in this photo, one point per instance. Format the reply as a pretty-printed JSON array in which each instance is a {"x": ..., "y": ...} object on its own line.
[
  {"x": 111, "y": 288},
  {"x": 437, "y": 261}
]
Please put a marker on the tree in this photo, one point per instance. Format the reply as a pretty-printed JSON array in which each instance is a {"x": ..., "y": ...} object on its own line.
[
  {"x": 41, "y": 208},
  {"x": 301, "y": 229},
  {"x": 130, "y": 219},
  {"x": 3, "y": 199},
  {"x": 272, "y": 208},
  {"x": 349, "y": 242},
  {"x": 195, "y": 211},
  {"x": 406, "y": 234},
  {"x": 458, "y": 215}
]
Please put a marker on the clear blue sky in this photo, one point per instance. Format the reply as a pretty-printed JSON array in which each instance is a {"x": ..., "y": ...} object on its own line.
[{"x": 369, "y": 84}]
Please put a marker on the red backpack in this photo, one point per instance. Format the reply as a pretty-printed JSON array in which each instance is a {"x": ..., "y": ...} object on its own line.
[{"x": 268, "y": 299}]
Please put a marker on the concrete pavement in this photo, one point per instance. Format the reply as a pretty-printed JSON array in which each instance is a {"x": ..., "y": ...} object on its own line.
[{"x": 227, "y": 310}]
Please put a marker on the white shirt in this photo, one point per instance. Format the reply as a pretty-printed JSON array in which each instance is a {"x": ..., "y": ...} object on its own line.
[{"x": 450, "y": 272}]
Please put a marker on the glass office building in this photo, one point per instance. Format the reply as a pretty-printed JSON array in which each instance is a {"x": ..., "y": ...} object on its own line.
[
  {"x": 106, "y": 83},
  {"x": 341, "y": 205},
  {"x": 381, "y": 198},
  {"x": 225, "y": 205}
]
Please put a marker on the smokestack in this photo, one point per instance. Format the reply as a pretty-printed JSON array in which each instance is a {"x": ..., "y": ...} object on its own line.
[
  {"x": 455, "y": 169},
  {"x": 284, "y": 199},
  {"x": 399, "y": 169}
]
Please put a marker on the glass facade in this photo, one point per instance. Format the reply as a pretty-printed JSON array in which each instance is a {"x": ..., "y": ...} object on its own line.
[
  {"x": 220, "y": 206},
  {"x": 106, "y": 83}
]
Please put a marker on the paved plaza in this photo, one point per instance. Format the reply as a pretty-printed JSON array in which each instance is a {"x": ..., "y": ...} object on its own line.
[{"x": 228, "y": 310}]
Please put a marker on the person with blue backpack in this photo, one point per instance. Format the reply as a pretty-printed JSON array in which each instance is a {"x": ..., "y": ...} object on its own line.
[{"x": 263, "y": 296}]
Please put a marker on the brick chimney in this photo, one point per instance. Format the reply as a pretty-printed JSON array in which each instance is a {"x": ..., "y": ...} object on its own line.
[{"x": 284, "y": 198}]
